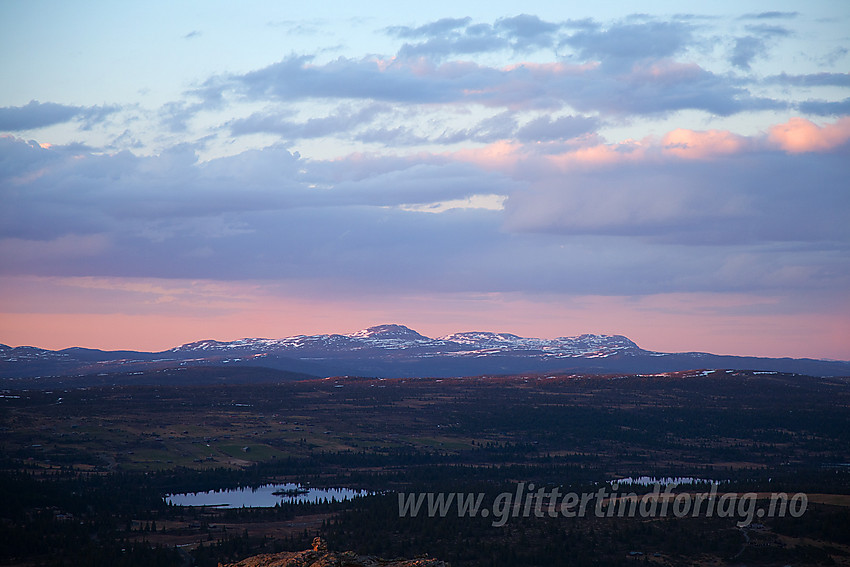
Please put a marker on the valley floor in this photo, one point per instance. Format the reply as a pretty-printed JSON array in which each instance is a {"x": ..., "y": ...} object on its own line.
[{"x": 86, "y": 469}]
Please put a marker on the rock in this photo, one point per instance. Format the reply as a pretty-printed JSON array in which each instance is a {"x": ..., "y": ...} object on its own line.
[{"x": 319, "y": 556}]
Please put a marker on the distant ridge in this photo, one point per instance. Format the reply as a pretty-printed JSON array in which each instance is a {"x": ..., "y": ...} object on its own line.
[{"x": 394, "y": 350}]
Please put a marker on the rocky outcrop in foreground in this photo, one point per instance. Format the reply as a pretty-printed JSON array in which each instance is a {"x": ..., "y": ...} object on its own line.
[{"x": 319, "y": 556}]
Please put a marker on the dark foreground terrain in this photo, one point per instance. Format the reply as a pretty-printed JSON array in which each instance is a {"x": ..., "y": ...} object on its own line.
[{"x": 84, "y": 471}]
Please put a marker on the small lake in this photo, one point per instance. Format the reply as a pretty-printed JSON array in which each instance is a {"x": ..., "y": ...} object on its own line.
[
  {"x": 663, "y": 481},
  {"x": 263, "y": 496}
]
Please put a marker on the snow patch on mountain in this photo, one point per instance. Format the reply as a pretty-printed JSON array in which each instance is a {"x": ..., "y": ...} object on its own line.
[{"x": 388, "y": 332}]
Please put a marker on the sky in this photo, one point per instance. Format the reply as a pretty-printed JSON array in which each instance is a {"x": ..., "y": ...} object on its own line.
[{"x": 677, "y": 173}]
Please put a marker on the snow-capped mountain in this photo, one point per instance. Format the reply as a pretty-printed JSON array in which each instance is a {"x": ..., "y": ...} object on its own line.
[
  {"x": 395, "y": 340},
  {"x": 591, "y": 346},
  {"x": 398, "y": 351}
]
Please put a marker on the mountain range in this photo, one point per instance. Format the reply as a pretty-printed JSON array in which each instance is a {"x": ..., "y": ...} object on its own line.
[{"x": 396, "y": 351}]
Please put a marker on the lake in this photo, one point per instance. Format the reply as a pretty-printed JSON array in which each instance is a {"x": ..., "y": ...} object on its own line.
[
  {"x": 263, "y": 496},
  {"x": 651, "y": 480}
]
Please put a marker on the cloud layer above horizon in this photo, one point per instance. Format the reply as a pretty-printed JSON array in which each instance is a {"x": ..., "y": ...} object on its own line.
[{"x": 545, "y": 159}]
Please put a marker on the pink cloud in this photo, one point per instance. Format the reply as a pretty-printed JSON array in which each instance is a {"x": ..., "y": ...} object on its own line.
[
  {"x": 693, "y": 144},
  {"x": 795, "y": 136},
  {"x": 499, "y": 156},
  {"x": 514, "y": 158},
  {"x": 545, "y": 70},
  {"x": 602, "y": 154},
  {"x": 799, "y": 135}
]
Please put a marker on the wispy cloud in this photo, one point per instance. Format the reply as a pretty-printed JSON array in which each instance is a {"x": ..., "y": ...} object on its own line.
[
  {"x": 771, "y": 15},
  {"x": 41, "y": 114},
  {"x": 641, "y": 66},
  {"x": 646, "y": 87},
  {"x": 629, "y": 42},
  {"x": 344, "y": 119}
]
